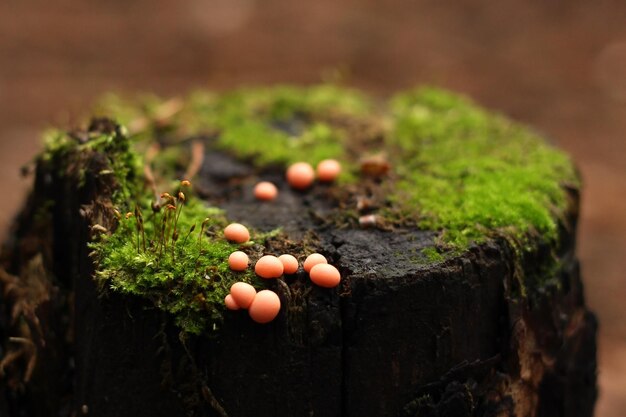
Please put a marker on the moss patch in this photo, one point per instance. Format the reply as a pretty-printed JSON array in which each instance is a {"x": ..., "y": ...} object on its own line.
[
  {"x": 286, "y": 125},
  {"x": 265, "y": 126},
  {"x": 176, "y": 258},
  {"x": 69, "y": 151},
  {"x": 470, "y": 173}
]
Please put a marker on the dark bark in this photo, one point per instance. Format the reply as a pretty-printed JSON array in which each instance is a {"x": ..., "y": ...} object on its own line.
[{"x": 401, "y": 338}]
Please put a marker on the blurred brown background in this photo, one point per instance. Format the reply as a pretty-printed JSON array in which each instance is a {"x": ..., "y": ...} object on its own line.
[{"x": 557, "y": 65}]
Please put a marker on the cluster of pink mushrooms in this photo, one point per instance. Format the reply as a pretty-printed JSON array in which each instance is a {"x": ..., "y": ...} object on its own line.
[
  {"x": 300, "y": 176},
  {"x": 264, "y": 306}
]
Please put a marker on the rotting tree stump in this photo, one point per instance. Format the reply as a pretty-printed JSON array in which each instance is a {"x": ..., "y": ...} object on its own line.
[{"x": 402, "y": 336}]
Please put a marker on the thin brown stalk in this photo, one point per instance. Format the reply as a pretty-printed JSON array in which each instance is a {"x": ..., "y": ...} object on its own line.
[{"x": 197, "y": 157}]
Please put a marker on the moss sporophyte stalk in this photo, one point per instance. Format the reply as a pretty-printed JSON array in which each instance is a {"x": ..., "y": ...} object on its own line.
[
  {"x": 175, "y": 256},
  {"x": 454, "y": 168}
]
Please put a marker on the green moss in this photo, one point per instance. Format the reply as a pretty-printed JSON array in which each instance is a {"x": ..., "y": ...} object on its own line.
[
  {"x": 278, "y": 125},
  {"x": 70, "y": 151},
  {"x": 432, "y": 254},
  {"x": 183, "y": 270},
  {"x": 470, "y": 173}
]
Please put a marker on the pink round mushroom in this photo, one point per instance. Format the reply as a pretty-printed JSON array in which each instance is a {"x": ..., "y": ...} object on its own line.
[
  {"x": 300, "y": 175},
  {"x": 328, "y": 170},
  {"x": 265, "y": 307},
  {"x": 290, "y": 263},
  {"x": 243, "y": 294},
  {"x": 325, "y": 275},
  {"x": 312, "y": 260},
  {"x": 265, "y": 191},
  {"x": 236, "y": 232},
  {"x": 230, "y": 303},
  {"x": 269, "y": 267},
  {"x": 238, "y": 261}
]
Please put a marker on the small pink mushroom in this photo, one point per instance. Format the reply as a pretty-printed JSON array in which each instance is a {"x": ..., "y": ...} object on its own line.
[
  {"x": 230, "y": 303},
  {"x": 325, "y": 275},
  {"x": 290, "y": 263},
  {"x": 238, "y": 261},
  {"x": 265, "y": 307},
  {"x": 300, "y": 175},
  {"x": 312, "y": 260},
  {"x": 328, "y": 170},
  {"x": 265, "y": 191},
  {"x": 269, "y": 267},
  {"x": 237, "y": 233},
  {"x": 242, "y": 294}
]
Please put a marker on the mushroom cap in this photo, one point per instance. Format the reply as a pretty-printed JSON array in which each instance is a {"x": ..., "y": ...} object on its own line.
[
  {"x": 269, "y": 267},
  {"x": 265, "y": 307},
  {"x": 238, "y": 261},
  {"x": 300, "y": 175},
  {"x": 325, "y": 275},
  {"x": 314, "y": 259},
  {"x": 243, "y": 294},
  {"x": 265, "y": 191},
  {"x": 290, "y": 263},
  {"x": 230, "y": 303},
  {"x": 236, "y": 232},
  {"x": 328, "y": 170}
]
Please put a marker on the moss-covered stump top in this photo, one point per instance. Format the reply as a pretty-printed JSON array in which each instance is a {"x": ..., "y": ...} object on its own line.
[{"x": 427, "y": 167}]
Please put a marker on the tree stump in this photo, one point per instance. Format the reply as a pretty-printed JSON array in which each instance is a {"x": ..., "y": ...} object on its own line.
[{"x": 422, "y": 325}]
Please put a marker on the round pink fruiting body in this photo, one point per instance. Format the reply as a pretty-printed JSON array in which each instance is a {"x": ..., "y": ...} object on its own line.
[
  {"x": 230, "y": 303},
  {"x": 290, "y": 263},
  {"x": 312, "y": 260},
  {"x": 238, "y": 261},
  {"x": 265, "y": 191},
  {"x": 300, "y": 175},
  {"x": 265, "y": 307},
  {"x": 328, "y": 170},
  {"x": 237, "y": 233},
  {"x": 269, "y": 267},
  {"x": 243, "y": 294},
  {"x": 325, "y": 275}
]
